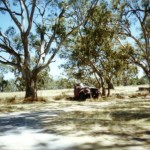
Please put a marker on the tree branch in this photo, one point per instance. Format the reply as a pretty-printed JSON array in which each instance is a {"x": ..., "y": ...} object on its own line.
[
  {"x": 12, "y": 15},
  {"x": 8, "y": 48},
  {"x": 14, "y": 12},
  {"x": 11, "y": 51},
  {"x": 31, "y": 17},
  {"x": 6, "y": 62},
  {"x": 61, "y": 15},
  {"x": 26, "y": 8}
]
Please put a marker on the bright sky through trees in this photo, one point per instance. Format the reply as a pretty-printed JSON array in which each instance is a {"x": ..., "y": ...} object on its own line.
[{"x": 55, "y": 71}]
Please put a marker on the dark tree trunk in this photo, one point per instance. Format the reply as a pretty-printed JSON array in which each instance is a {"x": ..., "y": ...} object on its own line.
[
  {"x": 149, "y": 81},
  {"x": 3, "y": 84},
  {"x": 30, "y": 83},
  {"x": 147, "y": 73},
  {"x": 30, "y": 88},
  {"x": 103, "y": 91},
  {"x": 110, "y": 86},
  {"x": 108, "y": 92}
]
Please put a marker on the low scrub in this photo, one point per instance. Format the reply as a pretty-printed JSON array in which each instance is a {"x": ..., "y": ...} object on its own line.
[
  {"x": 10, "y": 100},
  {"x": 32, "y": 100},
  {"x": 131, "y": 115},
  {"x": 14, "y": 100},
  {"x": 62, "y": 96}
]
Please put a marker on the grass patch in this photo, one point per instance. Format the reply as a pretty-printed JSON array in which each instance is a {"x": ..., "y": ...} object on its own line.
[
  {"x": 63, "y": 95},
  {"x": 6, "y": 109},
  {"x": 10, "y": 108},
  {"x": 127, "y": 116},
  {"x": 10, "y": 100},
  {"x": 139, "y": 94},
  {"x": 32, "y": 100},
  {"x": 83, "y": 115},
  {"x": 15, "y": 100}
]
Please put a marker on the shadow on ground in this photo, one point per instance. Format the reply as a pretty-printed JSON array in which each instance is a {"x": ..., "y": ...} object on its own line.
[{"x": 74, "y": 125}]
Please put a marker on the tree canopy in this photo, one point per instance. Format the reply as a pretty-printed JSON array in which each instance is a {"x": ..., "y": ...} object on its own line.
[{"x": 134, "y": 24}]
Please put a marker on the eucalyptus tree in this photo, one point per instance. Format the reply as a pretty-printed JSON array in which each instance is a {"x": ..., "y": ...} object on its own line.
[
  {"x": 38, "y": 30},
  {"x": 93, "y": 48},
  {"x": 133, "y": 20}
]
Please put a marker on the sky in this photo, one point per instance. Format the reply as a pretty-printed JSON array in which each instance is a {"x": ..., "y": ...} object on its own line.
[{"x": 55, "y": 70}]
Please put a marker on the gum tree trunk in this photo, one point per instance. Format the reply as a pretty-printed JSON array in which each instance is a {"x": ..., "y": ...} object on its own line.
[
  {"x": 109, "y": 85},
  {"x": 30, "y": 83},
  {"x": 103, "y": 87},
  {"x": 30, "y": 89}
]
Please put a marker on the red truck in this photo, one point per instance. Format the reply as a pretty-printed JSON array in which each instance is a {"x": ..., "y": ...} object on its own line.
[{"x": 82, "y": 92}]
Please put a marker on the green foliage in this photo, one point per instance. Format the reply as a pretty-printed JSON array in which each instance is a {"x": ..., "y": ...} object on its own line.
[
  {"x": 61, "y": 31},
  {"x": 133, "y": 20},
  {"x": 43, "y": 80},
  {"x": 3, "y": 82},
  {"x": 142, "y": 80},
  {"x": 11, "y": 86},
  {"x": 63, "y": 83},
  {"x": 41, "y": 29},
  {"x": 92, "y": 53}
]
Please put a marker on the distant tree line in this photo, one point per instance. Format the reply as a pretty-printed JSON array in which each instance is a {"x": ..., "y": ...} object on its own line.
[{"x": 63, "y": 83}]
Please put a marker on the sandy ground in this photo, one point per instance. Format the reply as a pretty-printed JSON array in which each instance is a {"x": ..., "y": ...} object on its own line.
[
  {"x": 51, "y": 93},
  {"x": 71, "y": 125}
]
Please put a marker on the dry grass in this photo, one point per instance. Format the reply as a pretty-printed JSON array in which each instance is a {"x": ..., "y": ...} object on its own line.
[
  {"x": 63, "y": 96},
  {"x": 122, "y": 92},
  {"x": 53, "y": 93},
  {"x": 32, "y": 100},
  {"x": 11, "y": 100},
  {"x": 117, "y": 122},
  {"x": 40, "y": 93},
  {"x": 43, "y": 96}
]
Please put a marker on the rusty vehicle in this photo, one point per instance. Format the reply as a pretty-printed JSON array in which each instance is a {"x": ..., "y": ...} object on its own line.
[{"x": 82, "y": 92}]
